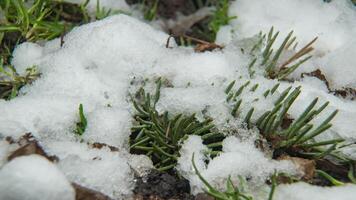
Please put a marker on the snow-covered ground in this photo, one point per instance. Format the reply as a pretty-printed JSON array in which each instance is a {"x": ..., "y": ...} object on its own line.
[{"x": 102, "y": 62}]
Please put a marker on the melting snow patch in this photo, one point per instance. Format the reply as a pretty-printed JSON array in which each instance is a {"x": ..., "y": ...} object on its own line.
[
  {"x": 304, "y": 191},
  {"x": 308, "y": 19},
  {"x": 33, "y": 177},
  {"x": 102, "y": 62},
  {"x": 238, "y": 159}
]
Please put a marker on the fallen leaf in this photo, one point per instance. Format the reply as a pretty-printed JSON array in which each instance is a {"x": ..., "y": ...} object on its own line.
[
  {"x": 306, "y": 166},
  {"x": 29, "y": 145},
  {"x": 84, "y": 193}
]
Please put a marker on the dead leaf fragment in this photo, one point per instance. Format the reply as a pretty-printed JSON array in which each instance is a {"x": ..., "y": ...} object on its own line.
[
  {"x": 206, "y": 47},
  {"x": 83, "y": 193},
  {"x": 29, "y": 145},
  {"x": 98, "y": 145},
  {"x": 307, "y": 167}
]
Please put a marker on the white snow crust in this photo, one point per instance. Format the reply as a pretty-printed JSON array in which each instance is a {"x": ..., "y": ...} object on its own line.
[
  {"x": 114, "y": 5},
  {"x": 33, "y": 177},
  {"x": 102, "y": 62},
  {"x": 303, "y": 191},
  {"x": 239, "y": 158},
  {"x": 333, "y": 23}
]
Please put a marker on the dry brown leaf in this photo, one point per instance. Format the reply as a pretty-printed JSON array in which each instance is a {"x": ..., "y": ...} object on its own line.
[
  {"x": 29, "y": 145},
  {"x": 83, "y": 193},
  {"x": 306, "y": 166}
]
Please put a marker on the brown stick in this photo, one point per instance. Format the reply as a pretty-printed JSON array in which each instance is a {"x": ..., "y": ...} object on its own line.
[{"x": 306, "y": 49}]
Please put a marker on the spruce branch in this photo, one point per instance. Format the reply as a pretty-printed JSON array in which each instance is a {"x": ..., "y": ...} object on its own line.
[
  {"x": 271, "y": 58},
  {"x": 159, "y": 136},
  {"x": 299, "y": 136}
]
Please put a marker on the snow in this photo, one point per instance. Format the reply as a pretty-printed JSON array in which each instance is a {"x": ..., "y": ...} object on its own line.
[
  {"x": 98, "y": 168},
  {"x": 33, "y": 177},
  {"x": 114, "y": 5},
  {"x": 303, "y": 191},
  {"x": 342, "y": 123},
  {"x": 24, "y": 54},
  {"x": 190, "y": 101},
  {"x": 333, "y": 53},
  {"x": 339, "y": 66},
  {"x": 100, "y": 173},
  {"x": 333, "y": 23},
  {"x": 5, "y": 149},
  {"x": 98, "y": 76},
  {"x": 239, "y": 158},
  {"x": 192, "y": 145},
  {"x": 102, "y": 62},
  {"x": 225, "y": 34},
  {"x": 106, "y": 126}
]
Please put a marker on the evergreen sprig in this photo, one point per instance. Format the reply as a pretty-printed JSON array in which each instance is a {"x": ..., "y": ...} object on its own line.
[
  {"x": 232, "y": 192},
  {"x": 299, "y": 135},
  {"x": 271, "y": 58},
  {"x": 159, "y": 136}
]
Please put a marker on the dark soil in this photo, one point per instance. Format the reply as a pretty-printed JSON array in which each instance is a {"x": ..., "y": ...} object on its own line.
[
  {"x": 7, "y": 45},
  {"x": 168, "y": 9},
  {"x": 83, "y": 193},
  {"x": 161, "y": 185},
  {"x": 338, "y": 171}
]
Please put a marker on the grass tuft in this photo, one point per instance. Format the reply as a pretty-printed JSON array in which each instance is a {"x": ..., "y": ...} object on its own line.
[
  {"x": 82, "y": 124},
  {"x": 150, "y": 10},
  {"x": 34, "y": 22},
  {"x": 11, "y": 82},
  {"x": 220, "y": 17}
]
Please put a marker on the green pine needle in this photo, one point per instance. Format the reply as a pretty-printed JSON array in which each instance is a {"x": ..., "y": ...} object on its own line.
[
  {"x": 160, "y": 135},
  {"x": 271, "y": 59}
]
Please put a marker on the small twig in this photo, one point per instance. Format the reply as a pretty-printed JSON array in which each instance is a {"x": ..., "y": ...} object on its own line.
[
  {"x": 196, "y": 39},
  {"x": 168, "y": 39},
  {"x": 62, "y": 35},
  {"x": 202, "y": 45},
  {"x": 303, "y": 51}
]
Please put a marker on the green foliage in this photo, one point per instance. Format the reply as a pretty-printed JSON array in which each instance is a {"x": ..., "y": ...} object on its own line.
[
  {"x": 102, "y": 13},
  {"x": 150, "y": 11},
  {"x": 11, "y": 81},
  {"x": 82, "y": 124},
  {"x": 351, "y": 173},
  {"x": 159, "y": 136},
  {"x": 40, "y": 20},
  {"x": 299, "y": 135},
  {"x": 328, "y": 177},
  {"x": 34, "y": 22},
  {"x": 220, "y": 16},
  {"x": 271, "y": 59},
  {"x": 232, "y": 192}
]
